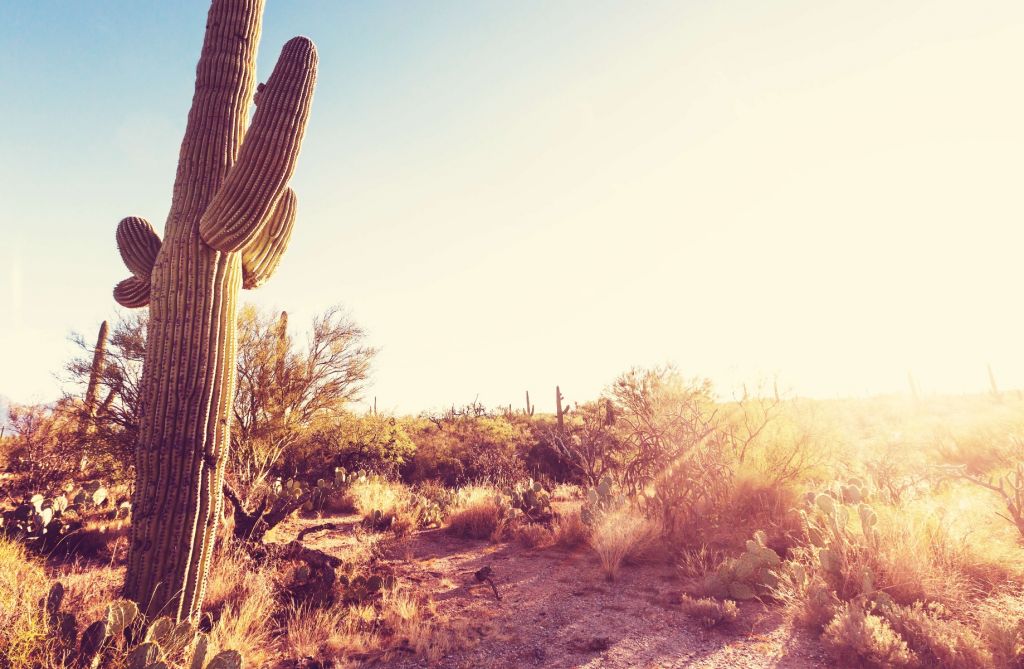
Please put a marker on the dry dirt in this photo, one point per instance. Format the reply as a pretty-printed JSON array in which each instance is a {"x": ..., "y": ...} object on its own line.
[{"x": 557, "y": 610}]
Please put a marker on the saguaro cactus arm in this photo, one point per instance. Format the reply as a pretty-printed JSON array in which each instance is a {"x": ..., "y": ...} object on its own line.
[
  {"x": 132, "y": 293},
  {"x": 244, "y": 203},
  {"x": 138, "y": 244},
  {"x": 261, "y": 256}
]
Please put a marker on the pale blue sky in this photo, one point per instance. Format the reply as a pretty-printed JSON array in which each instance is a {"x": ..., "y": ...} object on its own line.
[{"x": 513, "y": 195}]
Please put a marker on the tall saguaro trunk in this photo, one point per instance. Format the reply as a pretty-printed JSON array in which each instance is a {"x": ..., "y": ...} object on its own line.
[{"x": 230, "y": 221}]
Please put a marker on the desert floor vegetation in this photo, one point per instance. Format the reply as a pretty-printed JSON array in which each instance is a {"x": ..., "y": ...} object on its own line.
[{"x": 656, "y": 524}]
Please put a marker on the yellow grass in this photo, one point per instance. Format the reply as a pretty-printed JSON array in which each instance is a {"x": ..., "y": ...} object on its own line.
[
  {"x": 621, "y": 535},
  {"x": 24, "y": 630},
  {"x": 389, "y": 497},
  {"x": 477, "y": 514}
]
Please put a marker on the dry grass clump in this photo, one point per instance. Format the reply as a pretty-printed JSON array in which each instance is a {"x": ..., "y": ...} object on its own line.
[
  {"x": 24, "y": 628},
  {"x": 533, "y": 535},
  {"x": 698, "y": 562},
  {"x": 710, "y": 612},
  {"x": 88, "y": 589},
  {"x": 565, "y": 492},
  {"x": 479, "y": 513},
  {"x": 621, "y": 535},
  {"x": 364, "y": 632},
  {"x": 569, "y": 530},
  {"x": 242, "y": 600},
  {"x": 391, "y": 499}
]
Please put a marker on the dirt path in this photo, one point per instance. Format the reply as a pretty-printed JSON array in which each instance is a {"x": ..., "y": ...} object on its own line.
[{"x": 557, "y": 610}]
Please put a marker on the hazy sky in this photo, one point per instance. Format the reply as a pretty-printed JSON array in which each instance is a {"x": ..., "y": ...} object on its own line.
[{"x": 514, "y": 195}]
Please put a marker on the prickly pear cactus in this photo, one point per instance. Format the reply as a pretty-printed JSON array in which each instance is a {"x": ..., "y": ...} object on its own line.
[
  {"x": 752, "y": 574},
  {"x": 230, "y": 221},
  {"x": 533, "y": 501},
  {"x": 601, "y": 499}
]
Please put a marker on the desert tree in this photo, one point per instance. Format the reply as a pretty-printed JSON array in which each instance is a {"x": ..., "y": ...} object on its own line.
[
  {"x": 587, "y": 441},
  {"x": 284, "y": 387},
  {"x": 663, "y": 420}
]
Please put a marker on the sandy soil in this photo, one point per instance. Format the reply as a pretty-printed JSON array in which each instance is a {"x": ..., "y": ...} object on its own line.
[{"x": 557, "y": 610}]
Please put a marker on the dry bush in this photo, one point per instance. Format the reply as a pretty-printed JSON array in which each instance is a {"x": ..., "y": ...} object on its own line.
[
  {"x": 415, "y": 624},
  {"x": 479, "y": 513},
  {"x": 710, "y": 612},
  {"x": 569, "y": 530},
  {"x": 1001, "y": 620},
  {"x": 243, "y": 600},
  {"x": 921, "y": 556},
  {"x": 861, "y": 639},
  {"x": 232, "y": 577},
  {"x": 621, "y": 535},
  {"x": 937, "y": 640}
]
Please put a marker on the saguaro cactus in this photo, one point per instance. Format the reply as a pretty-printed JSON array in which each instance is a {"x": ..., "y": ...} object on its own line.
[
  {"x": 99, "y": 355},
  {"x": 230, "y": 220},
  {"x": 558, "y": 409}
]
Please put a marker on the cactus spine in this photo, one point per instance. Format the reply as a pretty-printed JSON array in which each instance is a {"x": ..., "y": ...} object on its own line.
[{"x": 230, "y": 221}]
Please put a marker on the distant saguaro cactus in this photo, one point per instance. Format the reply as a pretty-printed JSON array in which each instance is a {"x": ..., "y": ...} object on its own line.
[
  {"x": 230, "y": 221},
  {"x": 99, "y": 355},
  {"x": 558, "y": 409}
]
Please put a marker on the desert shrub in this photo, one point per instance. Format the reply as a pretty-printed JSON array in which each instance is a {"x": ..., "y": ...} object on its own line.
[
  {"x": 709, "y": 612},
  {"x": 374, "y": 442},
  {"x": 588, "y": 443},
  {"x": 40, "y": 454},
  {"x": 564, "y": 492},
  {"x": 856, "y": 637},
  {"x": 1002, "y": 625},
  {"x": 936, "y": 639},
  {"x": 468, "y": 444},
  {"x": 480, "y": 512},
  {"x": 619, "y": 536},
  {"x": 396, "y": 624},
  {"x": 664, "y": 422}
]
